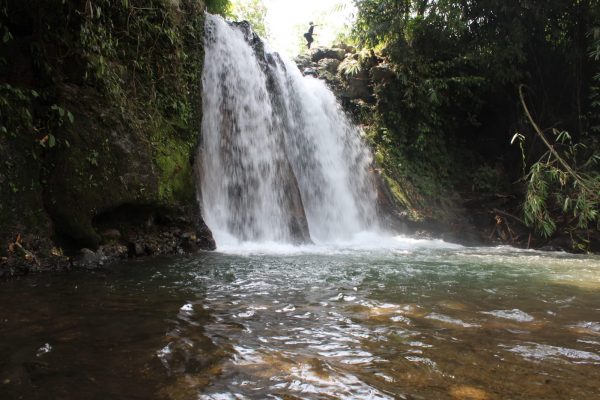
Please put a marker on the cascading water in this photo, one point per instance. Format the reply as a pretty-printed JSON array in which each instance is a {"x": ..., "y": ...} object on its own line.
[{"x": 279, "y": 160}]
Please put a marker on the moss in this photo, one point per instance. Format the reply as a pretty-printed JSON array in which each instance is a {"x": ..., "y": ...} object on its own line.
[
  {"x": 119, "y": 95},
  {"x": 172, "y": 158}
]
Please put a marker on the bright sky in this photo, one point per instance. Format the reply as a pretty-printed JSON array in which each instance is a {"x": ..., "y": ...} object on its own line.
[{"x": 287, "y": 21}]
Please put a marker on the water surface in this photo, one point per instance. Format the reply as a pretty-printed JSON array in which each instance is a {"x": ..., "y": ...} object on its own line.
[{"x": 395, "y": 319}]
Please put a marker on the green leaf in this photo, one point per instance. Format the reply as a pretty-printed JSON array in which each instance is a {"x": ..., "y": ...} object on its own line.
[
  {"x": 70, "y": 117},
  {"x": 51, "y": 140}
]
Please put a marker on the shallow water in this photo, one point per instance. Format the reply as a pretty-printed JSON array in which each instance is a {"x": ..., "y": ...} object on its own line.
[{"x": 375, "y": 319}]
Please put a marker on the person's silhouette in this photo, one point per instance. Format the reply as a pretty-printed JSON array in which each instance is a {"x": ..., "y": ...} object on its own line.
[{"x": 309, "y": 35}]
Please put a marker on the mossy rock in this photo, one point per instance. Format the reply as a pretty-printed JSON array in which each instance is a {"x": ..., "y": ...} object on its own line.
[{"x": 98, "y": 162}]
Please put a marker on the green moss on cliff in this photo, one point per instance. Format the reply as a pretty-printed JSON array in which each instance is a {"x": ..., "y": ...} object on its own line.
[
  {"x": 173, "y": 159},
  {"x": 115, "y": 116}
]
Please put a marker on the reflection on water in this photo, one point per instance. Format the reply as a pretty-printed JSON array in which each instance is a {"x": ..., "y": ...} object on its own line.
[{"x": 390, "y": 320}]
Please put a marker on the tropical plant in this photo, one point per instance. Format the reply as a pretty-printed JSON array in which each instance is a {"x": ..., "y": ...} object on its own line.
[{"x": 563, "y": 185}]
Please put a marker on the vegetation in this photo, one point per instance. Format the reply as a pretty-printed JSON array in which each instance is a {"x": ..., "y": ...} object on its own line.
[
  {"x": 445, "y": 123},
  {"x": 253, "y": 11}
]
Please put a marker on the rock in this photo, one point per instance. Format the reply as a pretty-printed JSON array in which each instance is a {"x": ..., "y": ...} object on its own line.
[
  {"x": 111, "y": 235},
  {"x": 346, "y": 47},
  {"x": 358, "y": 87},
  {"x": 188, "y": 236},
  {"x": 151, "y": 248},
  {"x": 89, "y": 259},
  {"x": 205, "y": 239},
  {"x": 320, "y": 53},
  {"x": 189, "y": 242},
  {"x": 309, "y": 71},
  {"x": 114, "y": 251},
  {"x": 303, "y": 61},
  {"x": 382, "y": 73},
  {"x": 329, "y": 64},
  {"x": 138, "y": 249}
]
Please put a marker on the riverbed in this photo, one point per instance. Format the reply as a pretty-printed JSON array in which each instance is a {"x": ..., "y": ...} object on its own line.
[{"x": 392, "y": 319}]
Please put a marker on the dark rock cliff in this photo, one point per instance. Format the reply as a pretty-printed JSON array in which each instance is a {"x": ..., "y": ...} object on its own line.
[{"x": 100, "y": 111}]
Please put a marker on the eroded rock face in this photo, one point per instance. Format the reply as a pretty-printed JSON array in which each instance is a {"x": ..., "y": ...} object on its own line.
[{"x": 57, "y": 180}]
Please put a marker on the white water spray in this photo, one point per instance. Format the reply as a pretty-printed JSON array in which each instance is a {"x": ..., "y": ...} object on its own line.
[{"x": 279, "y": 160}]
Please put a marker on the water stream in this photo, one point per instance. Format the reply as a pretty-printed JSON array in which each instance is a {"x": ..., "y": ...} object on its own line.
[{"x": 405, "y": 319}]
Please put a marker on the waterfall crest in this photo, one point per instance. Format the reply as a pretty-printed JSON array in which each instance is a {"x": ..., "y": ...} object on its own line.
[{"x": 279, "y": 160}]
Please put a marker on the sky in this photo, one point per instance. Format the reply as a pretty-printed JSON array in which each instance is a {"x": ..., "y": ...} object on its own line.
[{"x": 287, "y": 21}]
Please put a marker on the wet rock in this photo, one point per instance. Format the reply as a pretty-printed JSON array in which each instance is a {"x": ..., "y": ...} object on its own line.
[
  {"x": 189, "y": 242},
  {"x": 111, "y": 235},
  {"x": 88, "y": 259},
  {"x": 152, "y": 248},
  {"x": 309, "y": 71},
  {"x": 205, "y": 239},
  {"x": 138, "y": 249},
  {"x": 114, "y": 251}
]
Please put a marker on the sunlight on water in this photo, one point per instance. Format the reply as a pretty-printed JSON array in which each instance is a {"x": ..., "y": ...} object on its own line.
[
  {"x": 386, "y": 317},
  {"x": 370, "y": 318}
]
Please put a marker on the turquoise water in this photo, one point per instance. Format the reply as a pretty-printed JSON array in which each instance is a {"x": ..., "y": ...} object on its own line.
[{"x": 396, "y": 319}]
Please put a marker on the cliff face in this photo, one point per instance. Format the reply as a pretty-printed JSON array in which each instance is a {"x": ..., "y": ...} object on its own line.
[{"x": 100, "y": 110}]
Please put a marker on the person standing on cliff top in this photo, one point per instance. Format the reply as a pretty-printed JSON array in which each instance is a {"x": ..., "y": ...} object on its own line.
[{"x": 309, "y": 35}]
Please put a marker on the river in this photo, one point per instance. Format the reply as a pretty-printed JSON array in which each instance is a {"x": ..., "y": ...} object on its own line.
[{"x": 394, "y": 318}]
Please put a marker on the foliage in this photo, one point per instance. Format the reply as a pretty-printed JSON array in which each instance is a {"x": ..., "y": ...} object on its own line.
[
  {"x": 220, "y": 7},
  {"x": 455, "y": 100},
  {"x": 350, "y": 66},
  {"x": 253, "y": 11},
  {"x": 83, "y": 90},
  {"x": 563, "y": 186}
]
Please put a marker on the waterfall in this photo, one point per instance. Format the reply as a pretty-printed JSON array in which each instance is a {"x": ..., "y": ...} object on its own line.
[{"x": 278, "y": 160}]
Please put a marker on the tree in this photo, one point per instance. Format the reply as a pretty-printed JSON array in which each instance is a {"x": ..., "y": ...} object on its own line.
[
  {"x": 455, "y": 104},
  {"x": 253, "y": 11}
]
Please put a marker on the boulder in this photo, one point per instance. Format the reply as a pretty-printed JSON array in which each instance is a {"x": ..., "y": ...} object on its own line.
[
  {"x": 329, "y": 64},
  {"x": 382, "y": 73},
  {"x": 320, "y": 53},
  {"x": 88, "y": 259},
  {"x": 111, "y": 235}
]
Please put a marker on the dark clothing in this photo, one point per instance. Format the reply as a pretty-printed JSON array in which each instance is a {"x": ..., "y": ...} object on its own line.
[
  {"x": 308, "y": 36},
  {"x": 309, "y": 39}
]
